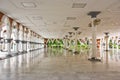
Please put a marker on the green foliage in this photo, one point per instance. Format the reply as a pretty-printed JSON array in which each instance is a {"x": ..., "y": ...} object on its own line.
[
  {"x": 110, "y": 44},
  {"x": 119, "y": 46},
  {"x": 56, "y": 43},
  {"x": 84, "y": 46},
  {"x": 78, "y": 42},
  {"x": 115, "y": 45}
]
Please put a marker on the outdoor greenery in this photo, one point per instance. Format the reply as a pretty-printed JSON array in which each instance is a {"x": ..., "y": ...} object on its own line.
[
  {"x": 59, "y": 43},
  {"x": 55, "y": 43},
  {"x": 113, "y": 45}
]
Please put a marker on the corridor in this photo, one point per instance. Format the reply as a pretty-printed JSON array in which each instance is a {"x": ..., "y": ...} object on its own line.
[
  {"x": 59, "y": 39},
  {"x": 60, "y": 64}
]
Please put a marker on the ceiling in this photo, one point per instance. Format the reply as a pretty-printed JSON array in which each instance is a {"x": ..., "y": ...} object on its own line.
[{"x": 55, "y": 18}]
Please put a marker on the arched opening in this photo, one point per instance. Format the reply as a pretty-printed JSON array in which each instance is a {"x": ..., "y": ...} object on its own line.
[
  {"x": 14, "y": 36},
  {"x": 20, "y": 38},
  {"x": 25, "y": 39},
  {"x": 1, "y": 38},
  {"x": 5, "y": 34},
  {"x": 28, "y": 40}
]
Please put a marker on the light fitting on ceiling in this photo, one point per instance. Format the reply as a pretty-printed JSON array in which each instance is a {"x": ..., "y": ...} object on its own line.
[
  {"x": 71, "y": 18},
  {"x": 37, "y": 18},
  {"x": 28, "y": 4},
  {"x": 75, "y": 28},
  {"x": 79, "y": 5},
  {"x": 66, "y": 25}
]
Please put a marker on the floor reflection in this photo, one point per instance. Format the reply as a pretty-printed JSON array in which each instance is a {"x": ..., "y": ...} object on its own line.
[{"x": 60, "y": 64}]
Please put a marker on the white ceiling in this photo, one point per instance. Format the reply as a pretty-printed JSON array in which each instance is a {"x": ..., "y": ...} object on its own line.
[{"x": 49, "y": 18}]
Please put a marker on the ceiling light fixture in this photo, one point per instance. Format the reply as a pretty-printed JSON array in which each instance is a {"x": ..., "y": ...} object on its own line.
[
  {"x": 37, "y": 18},
  {"x": 79, "y": 5},
  {"x": 71, "y": 18},
  {"x": 28, "y": 4}
]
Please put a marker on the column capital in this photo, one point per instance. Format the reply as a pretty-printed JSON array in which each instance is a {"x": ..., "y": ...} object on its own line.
[
  {"x": 70, "y": 33},
  {"x": 75, "y": 28},
  {"x": 94, "y": 14},
  {"x": 79, "y": 32},
  {"x": 106, "y": 33}
]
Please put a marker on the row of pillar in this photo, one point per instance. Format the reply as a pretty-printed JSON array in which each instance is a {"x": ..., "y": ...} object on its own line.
[{"x": 16, "y": 38}]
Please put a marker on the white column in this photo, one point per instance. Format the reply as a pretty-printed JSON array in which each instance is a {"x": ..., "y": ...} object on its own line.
[
  {"x": 8, "y": 37},
  {"x": 20, "y": 38},
  {"x": 28, "y": 41},
  {"x": 106, "y": 38},
  {"x": 69, "y": 43},
  {"x": 17, "y": 40},
  {"x": 64, "y": 43},
  {"x": 76, "y": 33},
  {"x": 76, "y": 41},
  {"x": 117, "y": 43},
  {"x": 24, "y": 39},
  {"x": 94, "y": 44}
]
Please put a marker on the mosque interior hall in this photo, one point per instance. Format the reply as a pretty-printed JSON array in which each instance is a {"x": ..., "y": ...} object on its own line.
[{"x": 59, "y": 39}]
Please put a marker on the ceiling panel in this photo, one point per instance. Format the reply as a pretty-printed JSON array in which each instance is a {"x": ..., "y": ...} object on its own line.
[{"x": 51, "y": 19}]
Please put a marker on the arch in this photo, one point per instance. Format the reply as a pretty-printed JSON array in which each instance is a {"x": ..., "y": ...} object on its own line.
[
  {"x": 20, "y": 37},
  {"x": 20, "y": 32},
  {"x": 5, "y": 20},
  {"x": 25, "y": 34},
  {"x": 5, "y": 33},
  {"x": 14, "y": 36},
  {"x": 29, "y": 35}
]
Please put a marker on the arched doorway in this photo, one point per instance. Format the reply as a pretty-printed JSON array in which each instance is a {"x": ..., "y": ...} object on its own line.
[
  {"x": 1, "y": 38},
  {"x": 28, "y": 40},
  {"x": 14, "y": 36},
  {"x": 5, "y": 34},
  {"x": 20, "y": 38}
]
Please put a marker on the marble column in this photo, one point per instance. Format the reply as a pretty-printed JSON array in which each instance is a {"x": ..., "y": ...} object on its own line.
[
  {"x": 0, "y": 39},
  {"x": 117, "y": 43},
  {"x": 17, "y": 40},
  {"x": 94, "y": 43},
  {"x": 1, "y": 25},
  {"x": 76, "y": 35},
  {"x": 9, "y": 45},
  {"x": 106, "y": 37},
  {"x": 94, "y": 22},
  {"x": 21, "y": 39},
  {"x": 70, "y": 33},
  {"x": 24, "y": 39},
  {"x": 8, "y": 38},
  {"x": 66, "y": 41}
]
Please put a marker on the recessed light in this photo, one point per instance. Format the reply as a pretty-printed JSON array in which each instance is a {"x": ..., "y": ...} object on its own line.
[
  {"x": 71, "y": 18},
  {"x": 37, "y": 18},
  {"x": 28, "y": 4},
  {"x": 78, "y": 5},
  {"x": 66, "y": 25}
]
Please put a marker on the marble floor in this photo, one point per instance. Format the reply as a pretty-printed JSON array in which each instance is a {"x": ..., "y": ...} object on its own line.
[{"x": 59, "y": 64}]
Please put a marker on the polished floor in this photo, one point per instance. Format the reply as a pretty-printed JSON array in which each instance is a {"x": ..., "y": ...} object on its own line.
[{"x": 59, "y": 64}]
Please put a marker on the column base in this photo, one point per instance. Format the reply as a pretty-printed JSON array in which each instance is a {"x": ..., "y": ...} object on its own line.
[
  {"x": 106, "y": 50},
  {"x": 1, "y": 58},
  {"x": 23, "y": 52},
  {"x": 17, "y": 53},
  {"x": 66, "y": 48},
  {"x": 70, "y": 50},
  {"x": 94, "y": 59},
  {"x": 76, "y": 52},
  {"x": 9, "y": 55}
]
